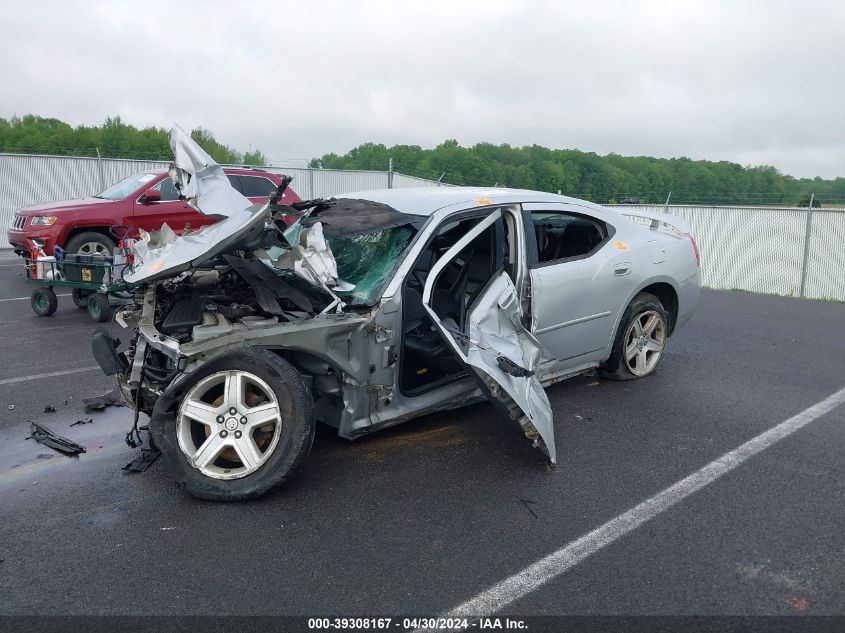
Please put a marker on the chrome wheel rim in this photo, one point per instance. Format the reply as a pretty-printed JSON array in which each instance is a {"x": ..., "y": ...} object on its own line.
[
  {"x": 645, "y": 340},
  {"x": 229, "y": 424},
  {"x": 92, "y": 248}
]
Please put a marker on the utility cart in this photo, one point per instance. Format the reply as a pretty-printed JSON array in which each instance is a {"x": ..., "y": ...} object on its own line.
[{"x": 92, "y": 279}]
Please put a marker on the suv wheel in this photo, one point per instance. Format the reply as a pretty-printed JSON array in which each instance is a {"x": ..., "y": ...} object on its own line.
[
  {"x": 237, "y": 427},
  {"x": 89, "y": 243}
]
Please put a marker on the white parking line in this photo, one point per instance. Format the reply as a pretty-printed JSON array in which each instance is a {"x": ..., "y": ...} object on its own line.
[
  {"x": 25, "y": 298},
  {"x": 9, "y": 381},
  {"x": 536, "y": 575}
]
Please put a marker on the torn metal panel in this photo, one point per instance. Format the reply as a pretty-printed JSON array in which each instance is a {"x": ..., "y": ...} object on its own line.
[{"x": 201, "y": 180}]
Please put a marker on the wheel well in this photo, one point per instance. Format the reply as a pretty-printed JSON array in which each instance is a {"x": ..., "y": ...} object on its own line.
[
  {"x": 668, "y": 297},
  {"x": 102, "y": 230}
]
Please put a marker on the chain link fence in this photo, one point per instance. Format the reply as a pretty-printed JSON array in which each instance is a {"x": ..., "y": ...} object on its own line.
[{"x": 791, "y": 251}]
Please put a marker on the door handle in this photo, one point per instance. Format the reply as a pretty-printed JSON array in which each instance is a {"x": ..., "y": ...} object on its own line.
[{"x": 622, "y": 269}]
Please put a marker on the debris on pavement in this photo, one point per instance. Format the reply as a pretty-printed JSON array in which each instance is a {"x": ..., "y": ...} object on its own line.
[
  {"x": 11, "y": 407},
  {"x": 49, "y": 409},
  {"x": 99, "y": 403},
  {"x": 581, "y": 418},
  {"x": 525, "y": 502},
  {"x": 85, "y": 421},
  {"x": 144, "y": 460},
  {"x": 45, "y": 436}
]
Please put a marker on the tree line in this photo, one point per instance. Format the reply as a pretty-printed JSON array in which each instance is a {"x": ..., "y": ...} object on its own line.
[
  {"x": 32, "y": 134},
  {"x": 604, "y": 179},
  {"x": 611, "y": 178}
]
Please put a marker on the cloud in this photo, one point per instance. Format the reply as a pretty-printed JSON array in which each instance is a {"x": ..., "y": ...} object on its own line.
[{"x": 754, "y": 82}]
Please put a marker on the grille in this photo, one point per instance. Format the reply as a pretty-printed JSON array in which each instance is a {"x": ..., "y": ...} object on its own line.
[{"x": 18, "y": 222}]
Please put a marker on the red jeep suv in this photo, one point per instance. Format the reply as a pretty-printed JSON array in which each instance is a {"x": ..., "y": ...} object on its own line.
[{"x": 143, "y": 201}]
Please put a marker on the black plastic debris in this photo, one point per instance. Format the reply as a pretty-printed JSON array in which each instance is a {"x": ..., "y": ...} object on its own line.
[
  {"x": 49, "y": 409},
  {"x": 84, "y": 421},
  {"x": 510, "y": 367},
  {"x": 99, "y": 403},
  {"x": 144, "y": 460},
  {"x": 45, "y": 436}
]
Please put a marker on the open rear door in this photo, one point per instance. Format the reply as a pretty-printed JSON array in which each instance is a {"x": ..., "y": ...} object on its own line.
[{"x": 494, "y": 345}]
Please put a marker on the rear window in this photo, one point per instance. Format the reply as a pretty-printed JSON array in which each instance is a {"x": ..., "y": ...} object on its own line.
[{"x": 257, "y": 186}]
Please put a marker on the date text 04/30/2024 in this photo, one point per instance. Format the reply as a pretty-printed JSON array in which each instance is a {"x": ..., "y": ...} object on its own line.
[{"x": 415, "y": 623}]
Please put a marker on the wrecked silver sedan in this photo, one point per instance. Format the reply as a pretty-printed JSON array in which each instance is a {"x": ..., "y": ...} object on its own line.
[{"x": 377, "y": 307}]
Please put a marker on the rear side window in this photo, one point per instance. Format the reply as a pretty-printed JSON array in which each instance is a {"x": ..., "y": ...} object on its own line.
[
  {"x": 257, "y": 186},
  {"x": 562, "y": 236}
]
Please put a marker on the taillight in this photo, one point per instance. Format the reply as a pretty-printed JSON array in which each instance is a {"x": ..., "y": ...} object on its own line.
[{"x": 695, "y": 249}]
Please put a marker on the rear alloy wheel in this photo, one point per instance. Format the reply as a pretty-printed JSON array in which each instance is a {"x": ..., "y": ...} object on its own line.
[
  {"x": 640, "y": 341},
  {"x": 236, "y": 427},
  {"x": 644, "y": 342}
]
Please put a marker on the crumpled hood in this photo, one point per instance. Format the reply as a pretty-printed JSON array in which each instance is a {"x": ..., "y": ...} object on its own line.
[{"x": 207, "y": 188}]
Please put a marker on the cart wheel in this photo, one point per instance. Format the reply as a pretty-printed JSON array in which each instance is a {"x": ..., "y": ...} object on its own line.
[
  {"x": 80, "y": 298},
  {"x": 98, "y": 307},
  {"x": 44, "y": 301}
]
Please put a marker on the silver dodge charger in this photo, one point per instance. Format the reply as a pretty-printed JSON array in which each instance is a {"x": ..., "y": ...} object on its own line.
[{"x": 371, "y": 308}]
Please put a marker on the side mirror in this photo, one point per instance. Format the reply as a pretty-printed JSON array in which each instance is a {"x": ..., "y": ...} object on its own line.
[{"x": 151, "y": 195}]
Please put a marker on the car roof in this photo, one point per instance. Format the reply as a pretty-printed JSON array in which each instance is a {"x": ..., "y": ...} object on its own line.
[{"x": 427, "y": 200}]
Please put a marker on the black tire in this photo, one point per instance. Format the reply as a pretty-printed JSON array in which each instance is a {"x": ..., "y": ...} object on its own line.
[
  {"x": 44, "y": 301},
  {"x": 80, "y": 298},
  {"x": 78, "y": 242},
  {"x": 616, "y": 368},
  {"x": 98, "y": 307},
  {"x": 297, "y": 433}
]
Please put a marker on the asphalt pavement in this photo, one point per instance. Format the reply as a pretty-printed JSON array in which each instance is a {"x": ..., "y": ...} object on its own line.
[{"x": 421, "y": 518}]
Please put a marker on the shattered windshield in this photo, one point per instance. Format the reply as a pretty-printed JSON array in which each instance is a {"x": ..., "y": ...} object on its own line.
[{"x": 367, "y": 261}]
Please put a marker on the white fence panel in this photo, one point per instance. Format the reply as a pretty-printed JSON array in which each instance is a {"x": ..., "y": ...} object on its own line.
[
  {"x": 762, "y": 249},
  {"x": 826, "y": 261},
  {"x": 747, "y": 248}
]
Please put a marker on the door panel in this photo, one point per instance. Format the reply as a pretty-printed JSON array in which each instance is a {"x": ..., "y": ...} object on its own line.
[
  {"x": 574, "y": 295},
  {"x": 495, "y": 346}
]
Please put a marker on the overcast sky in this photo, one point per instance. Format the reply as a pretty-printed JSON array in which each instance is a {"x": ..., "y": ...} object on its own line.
[{"x": 751, "y": 82}]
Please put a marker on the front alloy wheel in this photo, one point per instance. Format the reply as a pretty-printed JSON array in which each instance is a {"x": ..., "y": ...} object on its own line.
[
  {"x": 229, "y": 424},
  {"x": 237, "y": 426}
]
